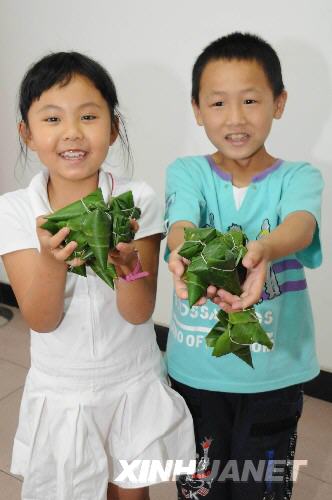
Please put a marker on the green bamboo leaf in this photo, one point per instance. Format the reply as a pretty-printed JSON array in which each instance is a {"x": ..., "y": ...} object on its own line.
[
  {"x": 245, "y": 354},
  {"x": 246, "y": 316},
  {"x": 79, "y": 207},
  {"x": 196, "y": 288},
  {"x": 121, "y": 230},
  {"x": 97, "y": 229},
  {"x": 223, "y": 345},
  {"x": 214, "y": 334},
  {"x": 108, "y": 275}
]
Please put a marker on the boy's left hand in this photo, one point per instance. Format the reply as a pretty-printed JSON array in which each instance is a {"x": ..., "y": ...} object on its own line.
[{"x": 256, "y": 262}]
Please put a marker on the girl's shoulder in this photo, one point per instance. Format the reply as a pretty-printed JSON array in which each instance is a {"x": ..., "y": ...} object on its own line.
[{"x": 15, "y": 202}]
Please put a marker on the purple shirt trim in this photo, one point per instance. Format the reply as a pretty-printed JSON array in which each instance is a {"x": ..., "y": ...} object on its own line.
[
  {"x": 289, "y": 286},
  {"x": 293, "y": 286},
  {"x": 216, "y": 169},
  {"x": 286, "y": 265},
  {"x": 256, "y": 178}
]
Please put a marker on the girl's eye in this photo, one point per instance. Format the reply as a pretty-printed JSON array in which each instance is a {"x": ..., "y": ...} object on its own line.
[
  {"x": 51, "y": 119},
  {"x": 88, "y": 117},
  {"x": 249, "y": 101},
  {"x": 219, "y": 103}
]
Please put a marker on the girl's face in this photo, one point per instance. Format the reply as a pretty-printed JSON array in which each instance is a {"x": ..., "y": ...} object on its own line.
[
  {"x": 237, "y": 107},
  {"x": 70, "y": 129}
]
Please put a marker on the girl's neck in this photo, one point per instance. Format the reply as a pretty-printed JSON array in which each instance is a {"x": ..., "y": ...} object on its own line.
[
  {"x": 242, "y": 171},
  {"x": 62, "y": 192}
]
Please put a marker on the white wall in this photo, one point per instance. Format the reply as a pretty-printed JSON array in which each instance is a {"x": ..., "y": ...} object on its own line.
[{"x": 149, "y": 47}]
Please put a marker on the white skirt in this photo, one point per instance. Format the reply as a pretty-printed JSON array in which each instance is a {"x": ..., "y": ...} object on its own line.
[{"x": 73, "y": 433}]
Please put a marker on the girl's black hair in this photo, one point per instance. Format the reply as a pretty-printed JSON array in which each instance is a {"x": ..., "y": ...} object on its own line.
[
  {"x": 59, "y": 68},
  {"x": 240, "y": 46}
]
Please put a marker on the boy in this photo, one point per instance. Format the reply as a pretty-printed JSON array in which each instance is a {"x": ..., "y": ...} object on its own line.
[{"x": 245, "y": 419}]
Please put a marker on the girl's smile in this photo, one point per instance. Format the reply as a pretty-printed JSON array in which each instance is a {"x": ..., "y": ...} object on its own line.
[{"x": 70, "y": 129}]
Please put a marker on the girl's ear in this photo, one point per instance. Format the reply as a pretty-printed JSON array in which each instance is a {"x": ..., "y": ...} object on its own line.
[
  {"x": 197, "y": 112},
  {"x": 25, "y": 135},
  {"x": 114, "y": 129},
  {"x": 280, "y": 104}
]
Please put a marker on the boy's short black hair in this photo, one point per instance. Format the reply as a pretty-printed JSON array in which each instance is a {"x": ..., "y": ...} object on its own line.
[{"x": 240, "y": 46}]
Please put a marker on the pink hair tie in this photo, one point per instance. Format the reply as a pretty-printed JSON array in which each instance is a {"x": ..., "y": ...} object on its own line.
[{"x": 137, "y": 273}]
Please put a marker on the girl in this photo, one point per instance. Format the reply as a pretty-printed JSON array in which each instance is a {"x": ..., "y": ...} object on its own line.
[{"x": 96, "y": 393}]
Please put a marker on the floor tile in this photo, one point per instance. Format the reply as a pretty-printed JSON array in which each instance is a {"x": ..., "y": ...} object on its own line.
[
  {"x": 15, "y": 340},
  {"x": 10, "y": 487},
  {"x": 163, "y": 491},
  {"x": 9, "y": 410},
  {"x": 310, "y": 488},
  {"x": 315, "y": 439},
  {"x": 11, "y": 377}
]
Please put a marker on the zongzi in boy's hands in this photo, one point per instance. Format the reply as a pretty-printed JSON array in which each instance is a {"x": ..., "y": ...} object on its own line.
[{"x": 216, "y": 259}]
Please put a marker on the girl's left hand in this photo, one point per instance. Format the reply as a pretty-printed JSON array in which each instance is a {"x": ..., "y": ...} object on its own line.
[
  {"x": 124, "y": 256},
  {"x": 256, "y": 262}
]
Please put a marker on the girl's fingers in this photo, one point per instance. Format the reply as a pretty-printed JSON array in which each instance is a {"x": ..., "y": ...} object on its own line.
[
  {"x": 134, "y": 225},
  {"x": 56, "y": 240},
  {"x": 64, "y": 253}
]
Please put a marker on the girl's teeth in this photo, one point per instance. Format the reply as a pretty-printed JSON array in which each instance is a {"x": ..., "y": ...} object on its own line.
[{"x": 73, "y": 155}]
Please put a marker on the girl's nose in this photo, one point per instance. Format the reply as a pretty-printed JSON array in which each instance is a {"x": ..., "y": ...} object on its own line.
[{"x": 73, "y": 131}]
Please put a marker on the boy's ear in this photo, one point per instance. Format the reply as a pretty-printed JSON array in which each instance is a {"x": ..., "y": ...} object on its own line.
[
  {"x": 280, "y": 104},
  {"x": 114, "y": 129},
  {"x": 197, "y": 112}
]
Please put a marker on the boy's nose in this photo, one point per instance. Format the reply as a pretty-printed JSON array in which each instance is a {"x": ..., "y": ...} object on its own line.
[{"x": 235, "y": 114}]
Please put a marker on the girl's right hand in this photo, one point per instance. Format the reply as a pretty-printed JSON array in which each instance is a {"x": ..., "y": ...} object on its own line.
[
  {"x": 52, "y": 245},
  {"x": 177, "y": 266}
]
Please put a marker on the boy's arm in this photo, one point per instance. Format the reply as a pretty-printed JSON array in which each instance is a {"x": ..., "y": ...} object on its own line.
[{"x": 295, "y": 233}]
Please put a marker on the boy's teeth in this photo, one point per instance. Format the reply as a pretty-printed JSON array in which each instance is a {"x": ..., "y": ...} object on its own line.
[
  {"x": 237, "y": 137},
  {"x": 73, "y": 155}
]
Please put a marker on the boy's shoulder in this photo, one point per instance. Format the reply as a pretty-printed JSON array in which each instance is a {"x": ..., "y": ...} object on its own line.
[{"x": 299, "y": 171}]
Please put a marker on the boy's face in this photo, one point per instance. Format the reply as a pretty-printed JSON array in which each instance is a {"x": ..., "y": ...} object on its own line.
[{"x": 237, "y": 107}]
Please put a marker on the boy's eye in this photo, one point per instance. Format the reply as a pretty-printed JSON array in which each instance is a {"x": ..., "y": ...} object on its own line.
[
  {"x": 219, "y": 103},
  {"x": 249, "y": 101},
  {"x": 88, "y": 117}
]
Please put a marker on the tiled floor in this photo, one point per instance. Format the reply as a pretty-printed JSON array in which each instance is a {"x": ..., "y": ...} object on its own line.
[{"x": 315, "y": 429}]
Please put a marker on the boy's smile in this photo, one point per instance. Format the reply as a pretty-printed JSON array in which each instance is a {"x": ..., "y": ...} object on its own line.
[{"x": 236, "y": 107}]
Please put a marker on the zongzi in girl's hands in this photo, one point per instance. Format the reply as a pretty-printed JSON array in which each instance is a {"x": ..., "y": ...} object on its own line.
[{"x": 97, "y": 227}]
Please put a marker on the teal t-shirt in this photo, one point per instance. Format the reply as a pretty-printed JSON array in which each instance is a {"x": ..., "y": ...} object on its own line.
[{"x": 199, "y": 192}]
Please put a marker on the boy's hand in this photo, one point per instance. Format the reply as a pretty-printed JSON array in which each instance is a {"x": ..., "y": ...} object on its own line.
[
  {"x": 177, "y": 266},
  {"x": 256, "y": 261}
]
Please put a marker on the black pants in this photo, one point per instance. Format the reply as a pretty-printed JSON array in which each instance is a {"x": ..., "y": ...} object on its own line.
[{"x": 245, "y": 444}]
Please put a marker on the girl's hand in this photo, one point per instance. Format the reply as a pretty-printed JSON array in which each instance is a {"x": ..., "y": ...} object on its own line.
[
  {"x": 256, "y": 261},
  {"x": 177, "y": 266},
  {"x": 125, "y": 256},
  {"x": 52, "y": 245}
]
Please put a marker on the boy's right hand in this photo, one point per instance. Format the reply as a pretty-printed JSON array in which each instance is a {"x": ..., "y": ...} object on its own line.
[
  {"x": 177, "y": 266},
  {"x": 52, "y": 246}
]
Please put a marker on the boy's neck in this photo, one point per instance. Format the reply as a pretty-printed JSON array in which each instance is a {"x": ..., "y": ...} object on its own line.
[
  {"x": 62, "y": 192},
  {"x": 242, "y": 171}
]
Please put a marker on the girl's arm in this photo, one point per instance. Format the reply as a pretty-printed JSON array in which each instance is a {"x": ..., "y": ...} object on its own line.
[
  {"x": 136, "y": 299},
  {"x": 38, "y": 279}
]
